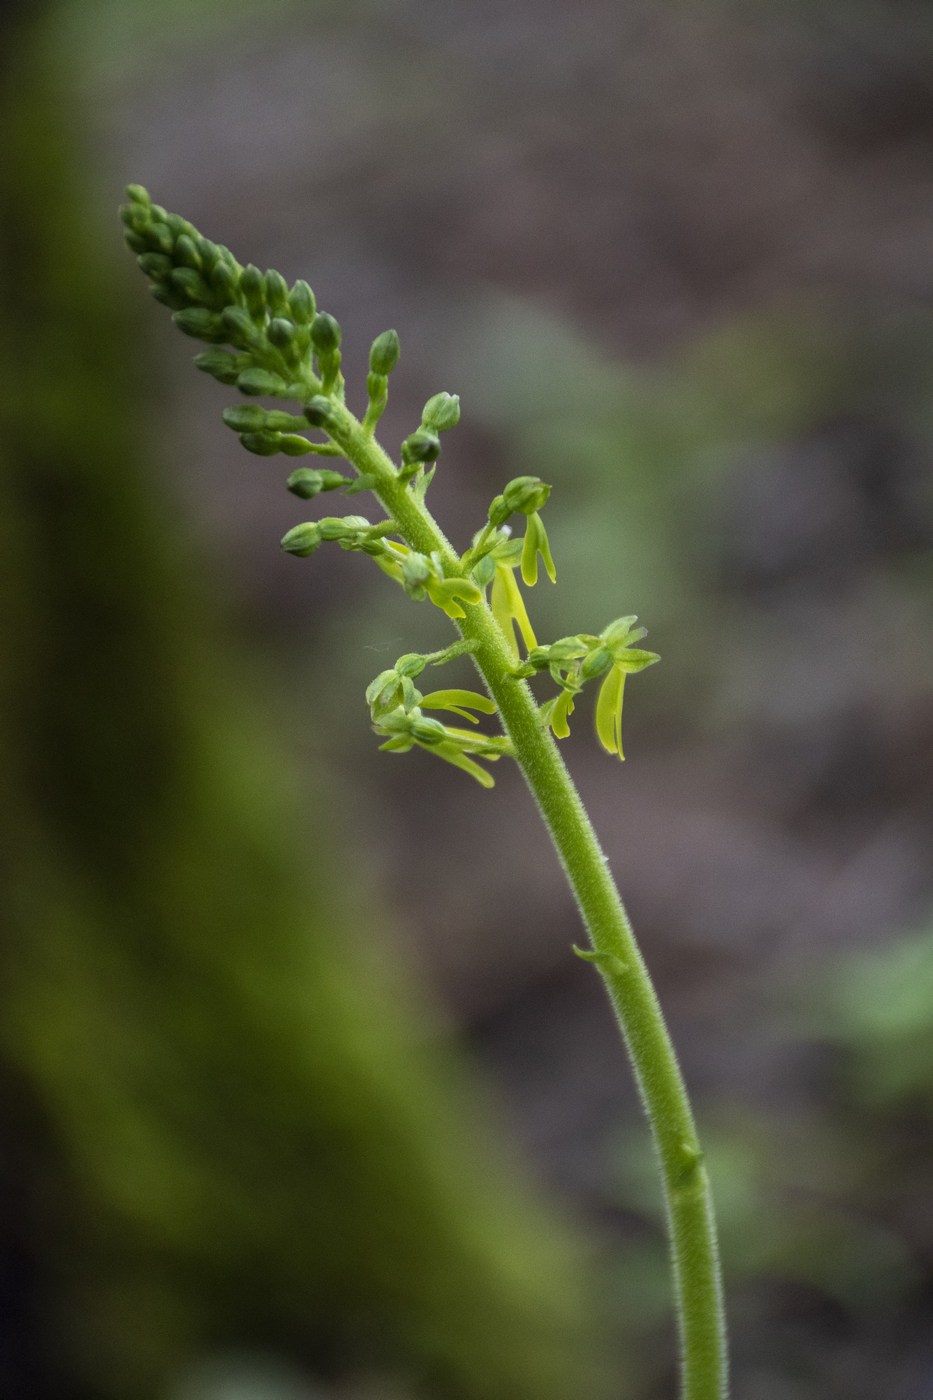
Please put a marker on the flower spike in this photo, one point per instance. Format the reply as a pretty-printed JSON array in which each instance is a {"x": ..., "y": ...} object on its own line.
[{"x": 270, "y": 341}]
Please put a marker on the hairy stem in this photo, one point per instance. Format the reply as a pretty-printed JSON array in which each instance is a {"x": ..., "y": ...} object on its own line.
[{"x": 688, "y": 1199}]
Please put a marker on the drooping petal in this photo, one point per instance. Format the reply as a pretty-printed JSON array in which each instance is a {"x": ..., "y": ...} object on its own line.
[
  {"x": 508, "y": 608},
  {"x": 609, "y": 712},
  {"x": 458, "y": 701},
  {"x": 530, "y": 553},
  {"x": 446, "y": 593},
  {"x": 544, "y": 549},
  {"x": 469, "y": 765},
  {"x": 534, "y": 543},
  {"x": 560, "y": 715}
]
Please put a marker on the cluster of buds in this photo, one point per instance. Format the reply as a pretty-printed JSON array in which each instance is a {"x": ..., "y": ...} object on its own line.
[
  {"x": 275, "y": 331},
  {"x": 422, "y": 448},
  {"x": 397, "y": 710},
  {"x": 421, "y": 575},
  {"x": 572, "y": 661},
  {"x": 353, "y": 532},
  {"x": 268, "y": 431}
]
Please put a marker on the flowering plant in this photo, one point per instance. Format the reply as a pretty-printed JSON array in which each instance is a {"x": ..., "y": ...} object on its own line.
[{"x": 270, "y": 341}]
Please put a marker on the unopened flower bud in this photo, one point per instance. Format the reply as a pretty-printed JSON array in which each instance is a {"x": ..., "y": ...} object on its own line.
[
  {"x": 200, "y": 323},
  {"x": 207, "y": 251},
  {"x": 246, "y": 418},
  {"x": 261, "y": 381},
  {"x": 262, "y": 444},
  {"x": 319, "y": 411},
  {"x": 281, "y": 332},
  {"x": 277, "y": 293},
  {"x": 160, "y": 237},
  {"x": 421, "y": 447},
  {"x": 253, "y": 287},
  {"x": 224, "y": 281},
  {"x": 411, "y": 664},
  {"x": 383, "y": 356},
  {"x": 325, "y": 333},
  {"x": 595, "y": 663},
  {"x": 155, "y": 265},
  {"x": 168, "y": 295},
  {"x": 526, "y": 494},
  {"x": 186, "y": 253},
  {"x": 135, "y": 217},
  {"x": 305, "y": 482},
  {"x": 221, "y": 365},
  {"x": 192, "y": 284},
  {"x": 441, "y": 412},
  {"x": 338, "y": 527},
  {"x": 302, "y": 540},
  {"x": 294, "y": 445},
  {"x": 238, "y": 326},
  {"x": 175, "y": 222},
  {"x": 301, "y": 302}
]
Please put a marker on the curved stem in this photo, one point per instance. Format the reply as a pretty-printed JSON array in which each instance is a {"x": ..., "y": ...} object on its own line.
[{"x": 687, "y": 1194}]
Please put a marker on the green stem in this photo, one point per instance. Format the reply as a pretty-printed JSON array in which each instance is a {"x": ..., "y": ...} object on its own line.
[{"x": 687, "y": 1194}]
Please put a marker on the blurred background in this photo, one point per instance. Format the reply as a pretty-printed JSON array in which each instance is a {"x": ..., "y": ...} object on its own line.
[{"x": 303, "y": 1095}]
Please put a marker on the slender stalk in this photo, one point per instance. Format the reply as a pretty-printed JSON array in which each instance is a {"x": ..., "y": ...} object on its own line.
[{"x": 687, "y": 1194}]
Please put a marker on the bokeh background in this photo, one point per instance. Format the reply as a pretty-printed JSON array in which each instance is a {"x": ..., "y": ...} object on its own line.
[{"x": 303, "y": 1094}]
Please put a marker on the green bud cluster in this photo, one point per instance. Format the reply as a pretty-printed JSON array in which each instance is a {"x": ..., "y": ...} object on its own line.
[
  {"x": 269, "y": 326},
  {"x": 349, "y": 531},
  {"x": 268, "y": 431},
  {"x": 421, "y": 447}
]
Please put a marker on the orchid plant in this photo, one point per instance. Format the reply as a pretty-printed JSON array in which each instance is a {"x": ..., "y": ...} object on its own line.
[{"x": 269, "y": 340}]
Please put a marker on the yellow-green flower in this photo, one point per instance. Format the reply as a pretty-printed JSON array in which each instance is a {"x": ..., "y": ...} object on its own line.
[
  {"x": 535, "y": 543},
  {"x": 617, "y": 654},
  {"x": 508, "y": 608}
]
